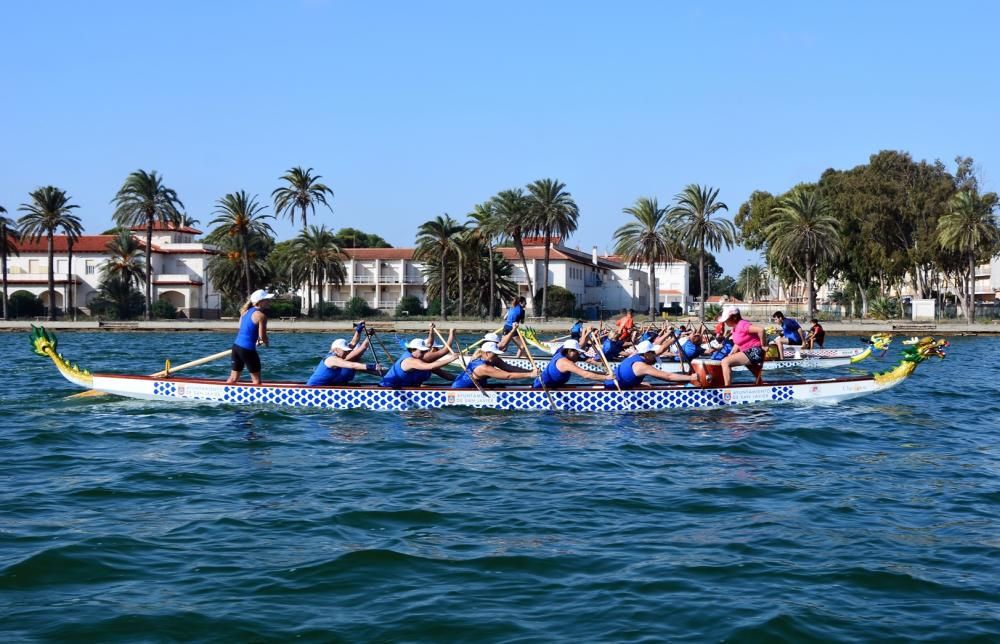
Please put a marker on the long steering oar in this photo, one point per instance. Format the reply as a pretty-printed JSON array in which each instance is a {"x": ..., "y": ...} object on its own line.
[
  {"x": 461, "y": 357},
  {"x": 548, "y": 394},
  {"x": 607, "y": 365},
  {"x": 160, "y": 374}
]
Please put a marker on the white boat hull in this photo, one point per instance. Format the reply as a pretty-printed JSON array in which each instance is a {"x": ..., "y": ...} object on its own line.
[{"x": 676, "y": 367}]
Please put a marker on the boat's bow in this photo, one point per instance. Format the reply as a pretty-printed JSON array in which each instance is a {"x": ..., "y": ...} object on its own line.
[
  {"x": 45, "y": 344},
  {"x": 878, "y": 342},
  {"x": 912, "y": 356}
]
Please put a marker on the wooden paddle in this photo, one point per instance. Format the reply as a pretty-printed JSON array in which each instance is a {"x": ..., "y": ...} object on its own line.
[
  {"x": 607, "y": 365},
  {"x": 382, "y": 344},
  {"x": 371, "y": 346},
  {"x": 540, "y": 379},
  {"x": 465, "y": 367},
  {"x": 91, "y": 393}
]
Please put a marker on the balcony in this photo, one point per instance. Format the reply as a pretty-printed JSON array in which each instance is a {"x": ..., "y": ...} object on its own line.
[
  {"x": 361, "y": 279},
  {"x": 413, "y": 279},
  {"x": 389, "y": 278},
  {"x": 387, "y": 304},
  {"x": 519, "y": 279},
  {"x": 175, "y": 278}
]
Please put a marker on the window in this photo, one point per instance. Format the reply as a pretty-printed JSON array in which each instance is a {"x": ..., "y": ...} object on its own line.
[{"x": 90, "y": 267}]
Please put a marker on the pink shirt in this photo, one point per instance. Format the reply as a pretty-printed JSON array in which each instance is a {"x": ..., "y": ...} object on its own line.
[{"x": 742, "y": 337}]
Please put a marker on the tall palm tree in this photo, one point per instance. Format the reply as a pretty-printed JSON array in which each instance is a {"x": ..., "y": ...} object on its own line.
[
  {"x": 512, "y": 209},
  {"x": 49, "y": 209},
  {"x": 227, "y": 269},
  {"x": 752, "y": 281},
  {"x": 241, "y": 217},
  {"x": 303, "y": 192},
  {"x": 72, "y": 231},
  {"x": 802, "y": 227},
  {"x": 555, "y": 214},
  {"x": 487, "y": 226},
  {"x": 125, "y": 259},
  {"x": 438, "y": 238},
  {"x": 647, "y": 240},
  {"x": 143, "y": 200},
  {"x": 970, "y": 228},
  {"x": 316, "y": 252},
  {"x": 8, "y": 238},
  {"x": 693, "y": 218}
]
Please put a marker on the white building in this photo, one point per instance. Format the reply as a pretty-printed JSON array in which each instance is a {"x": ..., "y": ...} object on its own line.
[{"x": 179, "y": 270}]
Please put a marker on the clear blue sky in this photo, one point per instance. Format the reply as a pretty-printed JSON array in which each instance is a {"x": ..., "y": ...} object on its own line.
[{"x": 413, "y": 109}]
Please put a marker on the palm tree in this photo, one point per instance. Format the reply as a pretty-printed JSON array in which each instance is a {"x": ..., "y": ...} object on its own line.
[
  {"x": 969, "y": 227},
  {"x": 693, "y": 218},
  {"x": 143, "y": 200},
  {"x": 50, "y": 208},
  {"x": 241, "y": 217},
  {"x": 316, "y": 252},
  {"x": 125, "y": 259},
  {"x": 647, "y": 240},
  {"x": 437, "y": 239},
  {"x": 72, "y": 230},
  {"x": 801, "y": 226},
  {"x": 488, "y": 228},
  {"x": 8, "y": 245},
  {"x": 302, "y": 192},
  {"x": 752, "y": 281},
  {"x": 514, "y": 215},
  {"x": 555, "y": 214},
  {"x": 227, "y": 269}
]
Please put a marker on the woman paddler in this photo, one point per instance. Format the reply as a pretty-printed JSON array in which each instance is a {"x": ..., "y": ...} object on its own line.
[
  {"x": 411, "y": 370},
  {"x": 562, "y": 366},
  {"x": 339, "y": 366},
  {"x": 253, "y": 331},
  {"x": 633, "y": 369},
  {"x": 748, "y": 345},
  {"x": 489, "y": 365}
]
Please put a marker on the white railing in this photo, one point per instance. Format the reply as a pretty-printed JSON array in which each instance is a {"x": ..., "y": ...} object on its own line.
[
  {"x": 174, "y": 277},
  {"x": 413, "y": 279},
  {"x": 387, "y": 304},
  {"x": 361, "y": 279},
  {"x": 388, "y": 278}
]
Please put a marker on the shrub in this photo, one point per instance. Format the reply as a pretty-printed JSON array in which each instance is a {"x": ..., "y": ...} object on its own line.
[
  {"x": 884, "y": 308},
  {"x": 357, "y": 307},
  {"x": 283, "y": 309},
  {"x": 163, "y": 309},
  {"x": 675, "y": 310},
  {"x": 713, "y": 311},
  {"x": 329, "y": 310},
  {"x": 24, "y": 305},
  {"x": 434, "y": 308},
  {"x": 560, "y": 304},
  {"x": 409, "y": 305}
]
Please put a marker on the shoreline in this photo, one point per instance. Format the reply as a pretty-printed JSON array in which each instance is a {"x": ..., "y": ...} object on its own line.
[{"x": 849, "y": 328}]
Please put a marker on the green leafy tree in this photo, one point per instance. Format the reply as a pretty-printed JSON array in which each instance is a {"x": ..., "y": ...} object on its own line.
[
  {"x": 693, "y": 218},
  {"x": 227, "y": 270},
  {"x": 288, "y": 273},
  {"x": 354, "y": 238},
  {"x": 240, "y": 217},
  {"x": 751, "y": 283},
  {"x": 555, "y": 215},
  {"x": 302, "y": 192},
  {"x": 487, "y": 226},
  {"x": 143, "y": 200},
  {"x": 649, "y": 240},
  {"x": 117, "y": 299},
  {"x": 8, "y": 245},
  {"x": 801, "y": 227},
  {"x": 970, "y": 228},
  {"x": 438, "y": 238},
  {"x": 513, "y": 210},
  {"x": 562, "y": 303},
  {"x": 318, "y": 255},
  {"x": 48, "y": 210}
]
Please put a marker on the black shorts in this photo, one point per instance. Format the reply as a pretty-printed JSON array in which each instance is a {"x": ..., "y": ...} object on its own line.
[
  {"x": 755, "y": 355},
  {"x": 507, "y": 328},
  {"x": 243, "y": 357}
]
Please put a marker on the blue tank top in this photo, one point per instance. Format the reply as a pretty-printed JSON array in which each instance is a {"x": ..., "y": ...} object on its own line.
[
  {"x": 464, "y": 381},
  {"x": 727, "y": 346},
  {"x": 397, "y": 377},
  {"x": 792, "y": 331},
  {"x": 514, "y": 315},
  {"x": 248, "y": 334},
  {"x": 324, "y": 375},
  {"x": 690, "y": 349},
  {"x": 612, "y": 348},
  {"x": 626, "y": 376},
  {"x": 551, "y": 375}
]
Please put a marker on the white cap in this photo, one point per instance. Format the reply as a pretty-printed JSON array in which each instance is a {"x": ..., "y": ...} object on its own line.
[
  {"x": 260, "y": 294},
  {"x": 729, "y": 311},
  {"x": 418, "y": 343},
  {"x": 570, "y": 344},
  {"x": 715, "y": 344},
  {"x": 491, "y": 347},
  {"x": 340, "y": 344},
  {"x": 646, "y": 346},
  {"x": 491, "y": 337}
]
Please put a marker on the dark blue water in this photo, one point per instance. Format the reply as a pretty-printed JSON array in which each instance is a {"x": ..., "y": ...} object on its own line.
[{"x": 873, "y": 520}]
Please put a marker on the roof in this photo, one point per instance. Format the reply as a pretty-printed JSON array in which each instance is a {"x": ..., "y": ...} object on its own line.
[
  {"x": 379, "y": 253},
  {"x": 720, "y": 299},
  {"x": 670, "y": 291},
  {"x": 95, "y": 244},
  {"x": 162, "y": 227},
  {"x": 559, "y": 253}
]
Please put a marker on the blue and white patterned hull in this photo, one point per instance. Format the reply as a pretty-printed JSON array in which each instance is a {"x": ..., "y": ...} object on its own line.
[
  {"x": 675, "y": 367},
  {"x": 581, "y": 399}
]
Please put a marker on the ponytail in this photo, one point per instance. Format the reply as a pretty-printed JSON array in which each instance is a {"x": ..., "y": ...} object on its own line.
[{"x": 246, "y": 307}]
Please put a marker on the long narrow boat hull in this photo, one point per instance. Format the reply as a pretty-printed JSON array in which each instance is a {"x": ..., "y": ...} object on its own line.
[
  {"x": 790, "y": 352},
  {"x": 676, "y": 367},
  {"x": 578, "y": 399}
]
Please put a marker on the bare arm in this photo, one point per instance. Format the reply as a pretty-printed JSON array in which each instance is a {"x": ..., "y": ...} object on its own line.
[
  {"x": 358, "y": 350},
  {"x": 565, "y": 364},
  {"x": 489, "y": 371},
  {"x": 413, "y": 364},
  {"x": 340, "y": 363},
  {"x": 261, "y": 321},
  {"x": 643, "y": 369}
]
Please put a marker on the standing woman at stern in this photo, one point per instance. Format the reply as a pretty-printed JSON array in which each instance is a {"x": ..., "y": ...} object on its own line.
[{"x": 253, "y": 331}]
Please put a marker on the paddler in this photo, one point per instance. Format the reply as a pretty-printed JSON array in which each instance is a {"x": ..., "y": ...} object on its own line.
[
  {"x": 748, "y": 345},
  {"x": 489, "y": 365},
  {"x": 562, "y": 366},
  {"x": 410, "y": 370},
  {"x": 631, "y": 372},
  {"x": 817, "y": 335},
  {"x": 253, "y": 332},
  {"x": 340, "y": 364},
  {"x": 791, "y": 332}
]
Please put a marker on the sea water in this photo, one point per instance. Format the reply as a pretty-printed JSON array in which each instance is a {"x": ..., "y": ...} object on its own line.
[{"x": 874, "y": 519}]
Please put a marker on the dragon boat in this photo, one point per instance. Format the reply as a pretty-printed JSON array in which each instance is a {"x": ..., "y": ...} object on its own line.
[
  {"x": 878, "y": 343},
  {"x": 575, "y": 399}
]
